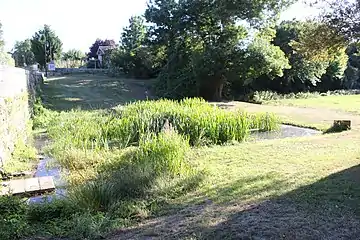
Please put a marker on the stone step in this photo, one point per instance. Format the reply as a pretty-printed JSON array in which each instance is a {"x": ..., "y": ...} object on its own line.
[{"x": 31, "y": 186}]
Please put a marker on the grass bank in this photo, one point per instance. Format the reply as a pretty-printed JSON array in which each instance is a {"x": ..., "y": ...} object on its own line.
[{"x": 127, "y": 164}]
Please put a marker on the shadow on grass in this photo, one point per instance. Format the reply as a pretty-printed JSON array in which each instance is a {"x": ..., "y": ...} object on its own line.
[
  {"x": 91, "y": 92},
  {"x": 326, "y": 209}
]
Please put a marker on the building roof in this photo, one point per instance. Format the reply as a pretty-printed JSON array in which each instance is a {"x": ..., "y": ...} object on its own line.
[{"x": 102, "y": 49}]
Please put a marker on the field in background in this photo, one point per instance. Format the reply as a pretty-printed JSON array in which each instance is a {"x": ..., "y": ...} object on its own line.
[
  {"x": 319, "y": 112},
  {"x": 91, "y": 92}
]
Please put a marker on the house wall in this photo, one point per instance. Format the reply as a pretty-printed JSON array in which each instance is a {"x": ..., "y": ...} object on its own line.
[{"x": 18, "y": 89}]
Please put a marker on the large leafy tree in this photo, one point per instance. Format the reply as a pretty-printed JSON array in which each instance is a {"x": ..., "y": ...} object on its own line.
[
  {"x": 135, "y": 56},
  {"x": 201, "y": 40},
  {"x": 46, "y": 46},
  {"x": 22, "y": 53},
  {"x": 344, "y": 17}
]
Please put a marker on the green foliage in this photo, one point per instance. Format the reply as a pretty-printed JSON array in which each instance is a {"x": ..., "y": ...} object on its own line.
[
  {"x": 42, "y": 116},
  {"x": 23, "y": 157},
  {"x": 13, "y": 224},
  {"x": 264, "y": 96},
  {"x": 46, "y": 46},
  {"x": 195, "y": 119},
  {"x": 22, "y": 53},
  {"x": 73, "y": 58},
  {"x": 264, "y": 59},
  {"x": 49, "y": 211},
  {"x": 133, "y": 56},
  {"x": 163, "y": 153},
  {"x": 6, "y": 59}
]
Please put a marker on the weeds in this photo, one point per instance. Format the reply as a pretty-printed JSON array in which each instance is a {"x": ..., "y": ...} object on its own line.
[
  {"x": 194, "y": 119},
  {"x": 23, "y": 157},
  {"x": 264, "y": 96}
]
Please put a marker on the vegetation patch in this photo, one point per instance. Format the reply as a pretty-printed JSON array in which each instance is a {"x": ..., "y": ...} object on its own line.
[{"x": 266, "y": 96}]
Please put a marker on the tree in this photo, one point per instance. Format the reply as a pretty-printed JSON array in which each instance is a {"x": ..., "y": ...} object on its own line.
[
  {"x": 22, "y": 53},
  {"x": 307, "y": 66},
  {"x": 201, "y": 40},
  {"x": 264, "y": 59},
  {"x": 352, "y": 72},
  {"x": 344, "y": 17},
  {"x": 95, "y": 46},
  {"x": 134, "y": 56},
  {"x": 73, "y": 58},
  {"x": 133, "y": 36},
  {"x": 46, "y": 46}
]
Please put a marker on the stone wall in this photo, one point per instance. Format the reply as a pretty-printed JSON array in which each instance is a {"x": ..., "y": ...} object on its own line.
[
  {"x": 64, "y": 71},
  {"x": 18, "y": 89}
]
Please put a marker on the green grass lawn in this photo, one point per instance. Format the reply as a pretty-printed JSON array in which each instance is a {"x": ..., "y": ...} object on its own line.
[
  {"x": 296, "y": 188},
  {"x": 318, "y": 113},
  {"x": 348, "y": 103},
  {"x": 268, "y": 190},
  {"x": 91, "y": 92}
]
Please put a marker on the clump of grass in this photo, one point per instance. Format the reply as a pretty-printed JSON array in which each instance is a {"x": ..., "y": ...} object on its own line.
[
  {"x": 43, "y": 117},
  {"x": 23, "y": 157},
  {"x": 157, "y": 156},
  {"x": 163, "y": 153}
]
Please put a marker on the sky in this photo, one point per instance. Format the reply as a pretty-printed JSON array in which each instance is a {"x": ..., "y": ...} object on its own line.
[{"x": 78, "y": 23}]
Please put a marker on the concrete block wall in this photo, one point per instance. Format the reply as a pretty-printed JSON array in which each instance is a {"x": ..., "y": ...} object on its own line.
[{"x": 18, "y": 88}]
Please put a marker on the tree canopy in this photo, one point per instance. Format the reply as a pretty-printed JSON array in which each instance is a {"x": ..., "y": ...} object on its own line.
[
  {"x": 217, "y": 49},
  {"x": 73, "y": 58},
  {"x": 46, "y": 46},
  {"x": 22, "y": 53},
  {"x": 95, "y": 46}
]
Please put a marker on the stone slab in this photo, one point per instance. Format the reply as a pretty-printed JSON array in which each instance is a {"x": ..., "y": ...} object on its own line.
[
  {"x": 32, "y": 185},
  {"x": 29, "y": 185},
  {"x": 17, "y": 186},
  {"x": 46, "y": 183}
]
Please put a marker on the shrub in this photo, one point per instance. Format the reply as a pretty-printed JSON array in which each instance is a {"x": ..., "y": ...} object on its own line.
[
  {"x": 13, "y": 224},
  {"x": 48, "y": 211}
]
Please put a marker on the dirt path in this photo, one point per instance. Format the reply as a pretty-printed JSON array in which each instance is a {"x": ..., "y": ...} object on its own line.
[{"x": 89, "y": 92}]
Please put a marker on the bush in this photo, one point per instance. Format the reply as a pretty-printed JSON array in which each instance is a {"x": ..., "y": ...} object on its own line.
[
  {"x": 48, "y": 211},
  {"x": 13, "y": 224}
]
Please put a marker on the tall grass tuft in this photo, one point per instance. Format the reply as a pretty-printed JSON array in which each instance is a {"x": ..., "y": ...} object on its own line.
[{"x": 163, "y": 153}]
